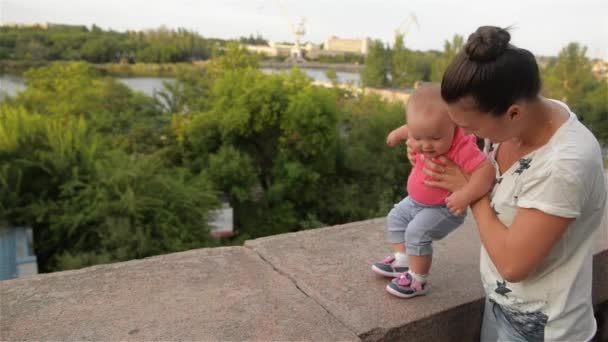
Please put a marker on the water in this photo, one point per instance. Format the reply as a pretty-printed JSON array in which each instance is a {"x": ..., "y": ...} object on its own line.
[
  {"x": 319, "y": 75},
  {"x": 146, "y": 85},
  {"x": 10, "y": 85}
]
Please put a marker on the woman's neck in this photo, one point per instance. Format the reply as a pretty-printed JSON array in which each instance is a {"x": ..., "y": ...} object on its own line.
[{"x": 543, "y": 119}]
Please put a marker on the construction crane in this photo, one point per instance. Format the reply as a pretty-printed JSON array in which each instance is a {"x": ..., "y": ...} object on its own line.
[
  {"x": 405, "y": 26},
  {"x": 298, "y": 30}
]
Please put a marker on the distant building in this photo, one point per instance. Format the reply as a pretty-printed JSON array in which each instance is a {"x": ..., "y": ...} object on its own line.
[
  {"x": 333, "y": 46},
  {"x": 337, "y": 45},
  {"x": 17, "y": 258},
  {"x": 308, "y": 50}
]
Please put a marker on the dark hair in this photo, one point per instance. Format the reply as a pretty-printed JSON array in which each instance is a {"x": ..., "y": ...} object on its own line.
[{"x": 492, "y": 71}]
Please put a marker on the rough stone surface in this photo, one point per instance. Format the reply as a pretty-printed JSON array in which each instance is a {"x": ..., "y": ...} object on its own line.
[
  {"x": 333, "y": 266},
  {"x": 206, "y": 294}
]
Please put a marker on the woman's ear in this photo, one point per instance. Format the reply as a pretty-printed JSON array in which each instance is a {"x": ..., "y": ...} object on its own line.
[{"x": 514, "y": 112}]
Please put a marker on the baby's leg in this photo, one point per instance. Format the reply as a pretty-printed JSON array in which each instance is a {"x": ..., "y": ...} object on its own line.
[
  {"x": 397, "y": 221},
  {"x": 430, "y": 223},
  {"x": 433, "y": 223}
]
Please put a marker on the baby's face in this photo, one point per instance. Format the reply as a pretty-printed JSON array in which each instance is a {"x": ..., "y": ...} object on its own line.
[{"x": 430, "y": 136}]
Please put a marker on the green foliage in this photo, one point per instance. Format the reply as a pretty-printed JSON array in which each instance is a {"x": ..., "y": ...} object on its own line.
[
  {"x": 270, "y": 143},
  {"x": 399, "y": 67},
  {"x": 233, "y": 58},
  {"x": 569, "y": 78},
  {"x": 286, "y": 133},
  {"x": 375, "y": 71},
  {"x": 97, "y": 188},
  {"x": 128, "y": 209},
  {"x": 409, "y": 67},
  {"x": 257, "y": 40},
  {"x": 371, "y": 176},
  {"x": 62, "y": 42},
  {"x": 191, "y": 92},
  {"x": 450, "y": 50},
  {"x": 37, "y": 156},
  {"x": 233, "y": 172},
  {"x": 131, "y": 120}
]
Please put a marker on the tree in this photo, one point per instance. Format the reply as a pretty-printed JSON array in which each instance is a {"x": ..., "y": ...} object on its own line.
[
  {"x": 99, "y": 46},
  {"x": 257, "y": 40},
  {"x": 569, "y": 78},
  {"x": 375, "y": 71},
  {"x": 90, "y": 203},
  {"x": 268, "y": 141},
  {"x": 370, "y": 176},
  {"x": 235, "y": 57},
  {"x": 450, "y": 50},
  {"x": 191, "y": 92},
  {"x": 400, "y": 71},
  {"x": 78, "y": 89}
]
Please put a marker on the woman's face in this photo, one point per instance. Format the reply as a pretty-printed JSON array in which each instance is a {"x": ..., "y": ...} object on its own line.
[{"x": 466, "y": 115}]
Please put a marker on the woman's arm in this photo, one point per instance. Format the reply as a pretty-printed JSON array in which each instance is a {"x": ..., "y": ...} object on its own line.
[
  {"x": 518, "y": 249},
  {"x": 515, "y": 250}
]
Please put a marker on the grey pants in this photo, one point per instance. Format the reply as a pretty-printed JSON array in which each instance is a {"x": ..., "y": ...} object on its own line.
[{"x": 418, "y": 225}]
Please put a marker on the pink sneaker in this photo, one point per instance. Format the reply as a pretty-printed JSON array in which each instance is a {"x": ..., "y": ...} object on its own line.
[
  {"x": 387, "y": 269},
  {"x": 405, "y": 286}
]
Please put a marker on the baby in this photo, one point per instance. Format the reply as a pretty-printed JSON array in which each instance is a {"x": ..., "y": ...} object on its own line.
[{"x": 428, "y": 213}]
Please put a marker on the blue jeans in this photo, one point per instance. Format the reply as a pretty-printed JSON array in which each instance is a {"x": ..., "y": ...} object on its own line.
[{"x": 495, "y": 326}]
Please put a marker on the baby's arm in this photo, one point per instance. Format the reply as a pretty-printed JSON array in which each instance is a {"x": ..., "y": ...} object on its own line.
[
  {"x": 397, "y": 135},
  {"x": 479, "y": 184}
]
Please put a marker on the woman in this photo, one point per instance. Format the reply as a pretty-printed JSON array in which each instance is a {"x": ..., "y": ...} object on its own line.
[{"x": 537, "y": 225}]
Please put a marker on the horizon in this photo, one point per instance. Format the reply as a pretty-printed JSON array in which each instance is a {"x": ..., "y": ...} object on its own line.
[{"x": 538, "y": 26}]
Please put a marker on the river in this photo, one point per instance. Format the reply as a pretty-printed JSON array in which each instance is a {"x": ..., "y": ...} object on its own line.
[{"x": 10, "y": 85}]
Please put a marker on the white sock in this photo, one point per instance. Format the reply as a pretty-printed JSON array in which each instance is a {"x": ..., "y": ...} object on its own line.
[
  {"x": 401, "y": 260},
  {"x": 421, "y": 278}
]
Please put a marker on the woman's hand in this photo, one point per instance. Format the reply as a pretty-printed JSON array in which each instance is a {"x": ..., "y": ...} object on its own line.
[
  {"x": 410, "y": 152},
  {"x": 448, "y": 175}
]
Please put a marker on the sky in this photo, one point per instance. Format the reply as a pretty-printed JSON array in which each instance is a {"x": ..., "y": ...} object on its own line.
[{"x": 541, "y": 26}]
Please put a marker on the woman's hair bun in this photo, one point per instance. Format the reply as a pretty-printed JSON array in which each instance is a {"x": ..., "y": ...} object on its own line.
[{"x": 487, "y": 43}]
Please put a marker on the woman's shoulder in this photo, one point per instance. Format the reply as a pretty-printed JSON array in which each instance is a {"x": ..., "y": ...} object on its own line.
[
  {"x": 573, "y": 142},
  {"x": 572, "y": 157}
]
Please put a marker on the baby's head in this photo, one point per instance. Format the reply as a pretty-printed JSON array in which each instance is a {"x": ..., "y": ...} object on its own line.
[{"x": 431, "y": 130}]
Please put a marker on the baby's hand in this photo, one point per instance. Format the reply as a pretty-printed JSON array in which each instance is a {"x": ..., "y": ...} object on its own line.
[
  {"x": 457, "y": 203},
  {"x": 393, "y": 138}
]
